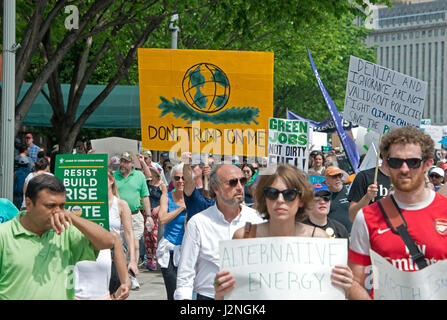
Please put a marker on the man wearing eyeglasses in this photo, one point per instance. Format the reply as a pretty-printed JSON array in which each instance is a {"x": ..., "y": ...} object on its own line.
[
  {"x": 339, "y": 196},
  {"x": 407, "y": 155},
  {"x": 199, "y": 261}
]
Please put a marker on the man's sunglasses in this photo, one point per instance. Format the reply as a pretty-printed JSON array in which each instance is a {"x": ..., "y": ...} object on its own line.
[
  {"x": 335, "y": 176},
  {"x": 435, "y": 175},
  {"x": 324, "y": 198},
  {"x": 177, "y": 178},
  {"x": 412, "y": 163},
  {"x": 233, "y": 182},
  {"x": 288, "y": 194}
]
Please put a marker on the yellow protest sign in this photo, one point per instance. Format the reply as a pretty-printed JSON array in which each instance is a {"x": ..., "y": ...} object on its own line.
[{"x": 205, "y": 101}]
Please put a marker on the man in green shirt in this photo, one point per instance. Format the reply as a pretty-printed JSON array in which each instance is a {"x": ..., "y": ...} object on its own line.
[
  {"x": 41, "y": 245},
  {"x": 132, "y": 187}
]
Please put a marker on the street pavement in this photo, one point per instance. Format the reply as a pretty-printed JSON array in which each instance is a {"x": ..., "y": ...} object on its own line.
[{"x": 152, "y": 286}]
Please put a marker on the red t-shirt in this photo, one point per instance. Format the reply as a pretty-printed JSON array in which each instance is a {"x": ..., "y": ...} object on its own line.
[{"x": 427, "y": 225}]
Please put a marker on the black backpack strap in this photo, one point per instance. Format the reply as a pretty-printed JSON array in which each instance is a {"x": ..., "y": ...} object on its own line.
[{"x": 397, "y": 223}]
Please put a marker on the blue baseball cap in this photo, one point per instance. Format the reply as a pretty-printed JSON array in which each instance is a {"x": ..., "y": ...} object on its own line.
[{"x": 319, "y": 187}]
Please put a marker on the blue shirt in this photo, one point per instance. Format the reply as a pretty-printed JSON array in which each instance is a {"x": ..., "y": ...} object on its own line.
[
  {"x": 7, "y": 210},
  {"x": 196, "y": 203},
  {"x": 175, "y": 228}
]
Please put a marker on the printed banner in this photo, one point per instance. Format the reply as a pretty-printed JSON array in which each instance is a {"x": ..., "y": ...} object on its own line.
[
  {"x": 348, "y": 144},
  {"x": 326, "y": 126},
  {"x": 391, "y": 283},
  {"x": 85, "y": 177},
  {"x": 283, "y": 268},
  {"x": 380, "y": 99},
  {"x": 288, "y": 142},
  {"x": 205, "y": 101}
]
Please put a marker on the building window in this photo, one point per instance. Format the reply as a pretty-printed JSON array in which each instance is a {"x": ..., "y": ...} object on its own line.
[
  {"x": 410, "y": 64},
  {"x": 423, "y": 61},
  {"x": 411, "y": 35},
  {"x": 387, "y": 57},
  {"x": 392, "y": 57},
  {"x": 417, "y": 61},
  {"x": 429, "y": 80},
  {"x": 398, "y": 59},
  {"x": 435, "y": 79},
  {"x": 404, "y": 59},
  {"x": 442, "y": 83}
]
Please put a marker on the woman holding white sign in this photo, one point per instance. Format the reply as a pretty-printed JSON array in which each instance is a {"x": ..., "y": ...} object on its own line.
[{"x": 283, "y": 198}]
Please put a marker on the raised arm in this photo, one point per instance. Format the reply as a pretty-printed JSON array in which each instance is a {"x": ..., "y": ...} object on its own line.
[
  {"x": 163, "y": 215},
  {"x": 189, "y": 184}
]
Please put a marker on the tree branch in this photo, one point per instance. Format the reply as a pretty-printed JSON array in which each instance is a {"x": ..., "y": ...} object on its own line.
[{"x": 156, "y": 21}]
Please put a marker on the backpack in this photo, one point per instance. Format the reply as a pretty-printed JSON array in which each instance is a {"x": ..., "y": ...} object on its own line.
[{"x": 21, "y": 174}]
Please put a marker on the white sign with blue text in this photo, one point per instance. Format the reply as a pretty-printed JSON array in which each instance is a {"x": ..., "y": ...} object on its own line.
[
  {"x": 381, "y": 99},
  {"x": 283, "y": 268}
]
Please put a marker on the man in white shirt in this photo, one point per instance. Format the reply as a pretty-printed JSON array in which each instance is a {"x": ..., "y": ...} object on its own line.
[{"x": 199, "y": 261}]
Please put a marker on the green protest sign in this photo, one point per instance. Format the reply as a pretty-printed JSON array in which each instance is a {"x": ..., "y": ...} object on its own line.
[
  {"x": 288, "y": 142},
  {"x": 85, "y": 177}
]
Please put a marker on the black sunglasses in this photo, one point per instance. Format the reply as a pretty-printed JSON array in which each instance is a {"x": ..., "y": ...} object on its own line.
[
  {"x": 177, "y": 178},
  {"x": 412, "y": 163},
  {"x": 233, "y": 182},
  {"x": 288, "y": 194},
  {"x": 324, "y": 198},
  {"x": 435, "y": 175}
]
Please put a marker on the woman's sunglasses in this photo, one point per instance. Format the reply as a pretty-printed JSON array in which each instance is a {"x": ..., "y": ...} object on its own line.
[
  {"x": 288, "y": 194},
  {"x": 412, "y": 163},
  {"x": 233, "y": 182},
  {"x": 177, "y": 178}
]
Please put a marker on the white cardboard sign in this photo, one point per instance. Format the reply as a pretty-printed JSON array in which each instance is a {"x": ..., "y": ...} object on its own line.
[
  {"x": 381, "y": 99},
  {"x": 283, "y": 268},
  {"x": 391, "y": 283}
]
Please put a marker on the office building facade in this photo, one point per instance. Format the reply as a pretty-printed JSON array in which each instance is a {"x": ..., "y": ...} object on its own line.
[{"x": 411, "y": 39}]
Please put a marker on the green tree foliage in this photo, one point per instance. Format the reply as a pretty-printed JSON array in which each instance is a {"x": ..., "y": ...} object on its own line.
[{"x": 103, "y": 49}]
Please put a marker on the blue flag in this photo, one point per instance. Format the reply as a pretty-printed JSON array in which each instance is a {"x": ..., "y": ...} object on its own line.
[{"x": 348, "y": 144}]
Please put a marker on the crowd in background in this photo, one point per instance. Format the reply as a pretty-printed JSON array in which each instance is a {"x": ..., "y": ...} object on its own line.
[{"x": 151, "y": 218}]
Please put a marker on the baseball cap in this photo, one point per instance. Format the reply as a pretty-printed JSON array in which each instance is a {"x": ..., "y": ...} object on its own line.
[
  {"x": 127, "y": 156},
  {"x": 321, "y": 187},
  {"x": 28, "y": 135},
  {"x": 115, "y": 160},
  {"x": 438, "y": 171},
  {"x": 332, "y": 171},
  {"x": 164, "y": 155},
  {"x": 147, "y": 154}
]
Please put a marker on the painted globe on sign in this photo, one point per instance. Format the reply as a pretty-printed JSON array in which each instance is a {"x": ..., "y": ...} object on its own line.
[{"x": 206, "y": 88}]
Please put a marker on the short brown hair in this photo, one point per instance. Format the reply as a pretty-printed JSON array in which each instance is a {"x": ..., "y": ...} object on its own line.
[
  {"x": 408, "y": 135},
  {"x": 293, "y": 178}
]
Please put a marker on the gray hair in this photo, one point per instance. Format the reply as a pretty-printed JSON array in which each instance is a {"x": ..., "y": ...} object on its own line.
[
  {"x": 214, "y": 179},
  {"x": 177, "y": 167}
]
